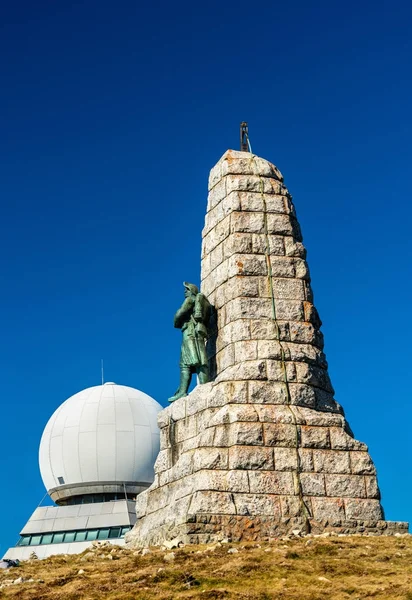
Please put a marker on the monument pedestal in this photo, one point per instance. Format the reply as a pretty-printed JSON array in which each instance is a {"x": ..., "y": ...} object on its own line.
[{"x": 264, "y": 449}]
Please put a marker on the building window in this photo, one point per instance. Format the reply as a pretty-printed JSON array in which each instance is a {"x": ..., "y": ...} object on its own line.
[
  {"x": 92, "y": 534},
  {"x": 47, "y": 538},
  {"x": 104, "y": 533},
  {"x": 57, "y": 538}
]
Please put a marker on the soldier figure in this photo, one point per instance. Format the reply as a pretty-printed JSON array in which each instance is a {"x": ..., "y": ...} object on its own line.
[{"x": 193, "y": 319}]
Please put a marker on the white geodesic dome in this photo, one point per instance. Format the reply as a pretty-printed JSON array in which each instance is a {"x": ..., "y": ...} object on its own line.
[{"x": 105, "y": 433}]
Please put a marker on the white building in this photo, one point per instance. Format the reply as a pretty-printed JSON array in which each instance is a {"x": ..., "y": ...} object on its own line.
[{"x": 96, "y": 454}]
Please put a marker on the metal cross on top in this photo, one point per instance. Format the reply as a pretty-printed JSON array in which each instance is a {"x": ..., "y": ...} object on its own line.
[{"x": 244, "y": 137}]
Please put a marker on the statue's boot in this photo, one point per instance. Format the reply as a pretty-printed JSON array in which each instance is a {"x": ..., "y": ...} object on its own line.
[{"x": 185, "y": 377}]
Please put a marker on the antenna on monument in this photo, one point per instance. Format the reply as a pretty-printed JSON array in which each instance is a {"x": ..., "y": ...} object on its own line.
[
  {"x": 102, "y": 369},
  {"x": 244, "y": 138}
]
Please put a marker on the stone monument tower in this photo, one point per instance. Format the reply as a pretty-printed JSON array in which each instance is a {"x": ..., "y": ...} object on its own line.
[{"x": 264, "y": 448}]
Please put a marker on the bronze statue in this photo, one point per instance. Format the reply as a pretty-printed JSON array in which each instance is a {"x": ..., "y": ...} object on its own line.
[{"x": 193, "y": 319}]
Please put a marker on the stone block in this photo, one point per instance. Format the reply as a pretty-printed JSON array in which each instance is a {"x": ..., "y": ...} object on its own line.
[
  {"x": 252, "y": 183},
  {"x": 245, "y": 163},
  {"x": 286, "y": 459},
  {"x": 302, "y": 395},
  {"x": 271, "y": 482},
  {"x": 280, "y": 224},
  {"x": 311, "y": 315},
  {"x": 210, "y": 458},
  {"x": 250, "y": 457},
  {"x": 331, "y": 461},
  {"x": 268, "y": 244},
  {"x": 233, "y": 413},
  {"x": 247, "y": 265},
  {"x": 215, "y": 175},
  {"x": 268, "y": 413},
  {"x": 183, "y": 466},
  {"x": 340, "y": 440},
  {"x": 163, "y": 461},
  {"x": 325, "y": 401},
  {"x": 312, "y": 484},
  {"x": 328, "y": 509},
  {"x": 250, "y": 504},
  {"x": 141, "y": 504},
  {"x": 320, "y": 419},
  {"x": 216, "y": 194},
  {"x": 361, "y": 463},
  {"x": 304, "y": 353},
  {"x": 306, "y": 463},
  {"x": 313, "y": 375},
  {"x": 282, "y": 266},
  {"x": 213, "y": 217},
  {"x": 246, "y": 350},
  {"x": 371, "y": 485},
  {"x": 197, "y": 400},
  {"x": 352, "y": 486},
  {"x": 224, "y": 481},
  {"x": 215, "y": 236},
  {"x": 212, "y": 503},
  {"x": 231, "y": 203},
  {"x": 294, "y": 248},
  {"x": 246, "y": 434},
  {"x": 290, "y": 506},
  {"x": 235, "y": 331},
  {"x": 276, "y": 370},
  {"x": 314, "y": 437},
  {"x": 364, "y": 510},
  {"x": 278, "y": 434},
  {"x": 288, "y": 310},
  {"x": 269, "y": 349},
  {"x": 288, "y": 289},
  {"x": 252, "y": 369},
  {"x": 247, "y": 222},
  {"x": 267, "y": 392},
  {"x": 225, "y": 358},
  {"x": 301, "y": 270},
  {"x": 238, "y": 243},
  {"x": 302, "y": 333},
  {"x": 216, "y": 257},
  {"x": 266, "y": 329},
  {"x": 228, "y": 392},
  {"x": 239, "y": 285},
  {"x": 248, "y": 308},
  {"x": 276, "y": 204}
]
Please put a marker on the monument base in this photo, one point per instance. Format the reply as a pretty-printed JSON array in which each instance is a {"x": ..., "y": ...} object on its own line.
[{"x": 238, "y": 461}]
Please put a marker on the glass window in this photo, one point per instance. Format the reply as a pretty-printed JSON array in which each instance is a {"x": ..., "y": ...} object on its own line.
[
  {"x": 124, "y": 531},
  {"x": 24, "y": 540},
  {"x": 92, "y": 534},
  {"x": 80, "y": 536},
  {"x": 103, "y": 534},
  {"x": 114, "y": 532},
  {"x": 58, "y": 538},
  {"x": 47, "y": 538},
  {"x": 69, "y": 536},
  {"x": 35, "y": 540}
]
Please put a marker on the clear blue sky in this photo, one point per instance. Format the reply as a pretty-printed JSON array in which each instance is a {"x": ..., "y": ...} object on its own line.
[{"x": 111, "y": 116}]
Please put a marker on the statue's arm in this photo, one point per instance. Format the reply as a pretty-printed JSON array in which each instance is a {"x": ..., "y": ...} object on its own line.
[{"x": 183, "y": 313}]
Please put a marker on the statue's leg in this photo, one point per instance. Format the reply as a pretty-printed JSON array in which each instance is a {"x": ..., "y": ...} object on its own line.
[
  {"x": 203, "y": 373},
  {"x": 185, "y": 378}
]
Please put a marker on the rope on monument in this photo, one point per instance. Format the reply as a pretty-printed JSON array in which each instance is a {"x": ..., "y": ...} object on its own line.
[{"x": 296, "y": 473}]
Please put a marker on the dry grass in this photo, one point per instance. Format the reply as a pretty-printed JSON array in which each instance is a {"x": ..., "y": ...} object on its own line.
[{"x": 335, "y": 568}]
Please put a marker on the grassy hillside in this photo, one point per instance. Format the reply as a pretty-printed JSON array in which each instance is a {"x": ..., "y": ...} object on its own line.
[{"x": 321, "y": 568}]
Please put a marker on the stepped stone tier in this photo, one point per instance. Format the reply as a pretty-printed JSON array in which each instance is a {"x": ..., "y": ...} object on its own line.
[{"x": 264, "y": 448}]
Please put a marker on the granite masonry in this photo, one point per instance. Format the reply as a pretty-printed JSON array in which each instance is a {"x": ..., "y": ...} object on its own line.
[{"x": 264, "y": 449}]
